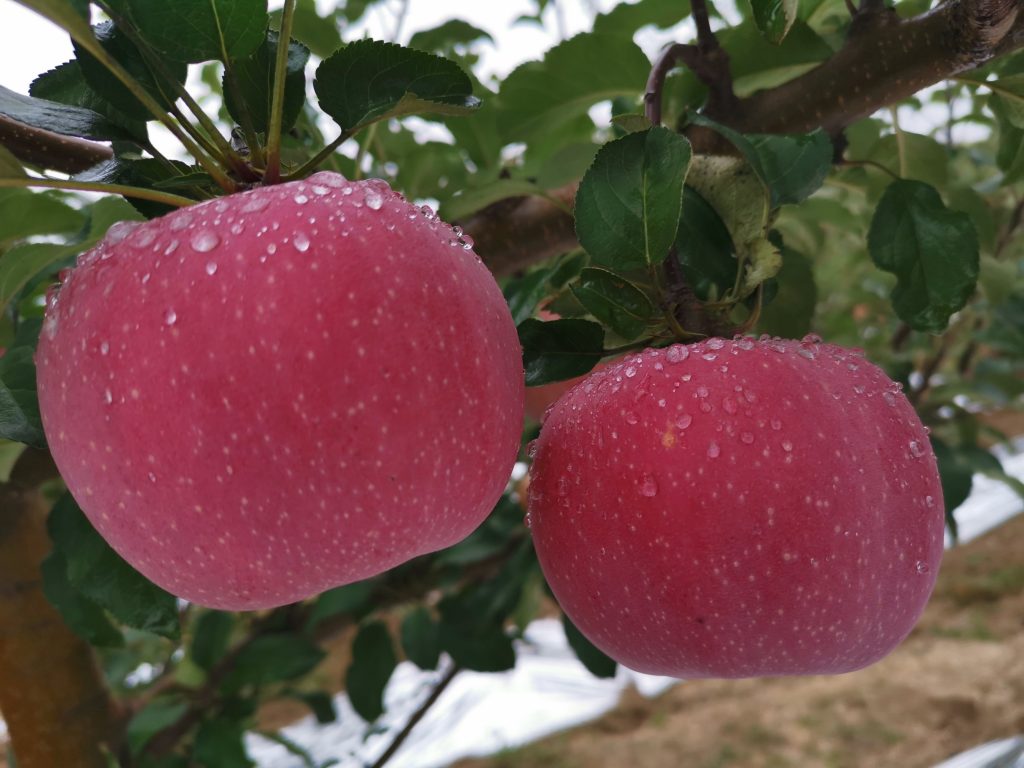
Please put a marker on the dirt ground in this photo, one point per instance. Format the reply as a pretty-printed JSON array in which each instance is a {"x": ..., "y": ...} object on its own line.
[{"x": 956, "y": 682}]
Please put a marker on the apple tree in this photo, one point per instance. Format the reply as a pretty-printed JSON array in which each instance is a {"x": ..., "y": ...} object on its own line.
[{"x": 262, "y": 395}]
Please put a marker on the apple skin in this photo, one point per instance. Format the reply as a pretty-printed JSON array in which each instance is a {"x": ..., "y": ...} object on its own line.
[
  {"x": 738, "y": 509},
  {"x": 264, "y": 396}
]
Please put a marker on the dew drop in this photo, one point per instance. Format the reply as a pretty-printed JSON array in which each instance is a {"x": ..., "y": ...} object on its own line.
[
  {"x": 374, "y": 199},
  {"x": 677, "y": 353},
  {"x": 648, "y": 486},
  {"x": 787, "y": 446},
  {"x": 108, "y": 397},
  {"x": 104, "y": 348},
  {"x": 204, "y": 241},
  {"x": 630, "y": 372},
  {"x": 729, "y": 405},
  {"x": 929, "y": 501},
  {"x": 320, "y": 191},
  {"x": 255, "y": 204},
  {"x": 889, "y": 398},
  {"x": 170, "y": 317},
  {"x": 747, "y": 438},
  {"x": 301, "y": 242},
  {"x": 211, "y": 268},
  {"x": 143, "y": 239},
  {"x": 152, "y": 477},
  {"x": 921, "y": 567},
  {"x": 531, "y": 448},
  {"x": 528, "y": 520},
  {"x": 631, "y": 418},
  {"x": 916, "y": 450},
  {"x": 811, "y": 338},
  {"x": 180, "y": 221},
  {"x": 119, "y": 230},
  {"x": 776, "y": 424},
  {"x": 713, "y": 450},
  {"x": 301, "y": 199},
  {"x": 715, "y": 343},
  {"x": 710, "y": 356},
  {"x": 702, "y": 391}
]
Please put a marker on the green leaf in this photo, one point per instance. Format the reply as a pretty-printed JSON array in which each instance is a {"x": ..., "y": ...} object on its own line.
[
  {"x": 792, "y": 167},
  {"x": 28, "y": 213},
  {"x": 482, "y": 648},
  {"x": 151, "y": 719},
  {"x": 254, "y": 77},
  {"x": 932, "y": 250},
  {"x": 100, "y": 574},
  {"x": 59, "y": 118},
  {"x": 10, "y": 166},
  {"x": 319, "y": 703},
  {"x": 421, "y": 638},
  {"x": 790, "y": 312},
  {"x": 220, "y": 743},
  {"x": 1009, "y": 91},
  {"x": 627, "y": 18},
  {"x": 596, "y": 662},
  {"x": 473, "y": 199},
  {"x": 124, "y": 51},
  {"x": 368, "y": 80},
  {"x": 445, "y": 38},
  {"x": 201, "y": 30},
  {"x": 22, "y": 263},
  {"x": 629, "y": 202},
  {"x": 559, "y": 349},
  {"x": 213, "y": 630},
  {"x": 539, "y": 96},
  {"x": 373, "y": 661},
  {"x": 704, "y": 248},
  {"x": 350, "y": 598},
  {"x": 774, "y": 17},
  {"x": 271, "y": 659},
  {"x": 614, "y": 301},
  {"x": 82, "y": 615},
  {"x": 19, "y": 404},
  {"x": 66, "y": 84},
  {"x": 319, "y": 34}
]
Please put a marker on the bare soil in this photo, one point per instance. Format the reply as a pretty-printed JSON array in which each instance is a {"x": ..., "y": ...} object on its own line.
[{"x": 956, "y": 682}]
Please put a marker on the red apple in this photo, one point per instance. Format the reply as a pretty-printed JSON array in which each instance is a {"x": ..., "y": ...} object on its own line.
[
  {"x": 737, "y": 509},
  {"x": 263, "y": 396}
]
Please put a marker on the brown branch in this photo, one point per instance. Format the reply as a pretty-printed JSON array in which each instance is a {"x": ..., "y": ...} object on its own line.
[
  {"x": 53, "y": 697},
  {"x": 46, "y": 149},
  {"x": 869, "y": 72}
]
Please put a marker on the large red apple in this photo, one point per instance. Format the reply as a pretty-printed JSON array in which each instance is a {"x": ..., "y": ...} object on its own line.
[
  {"x": 738, "y": 508},
  {"x": 263, "y": 396}
]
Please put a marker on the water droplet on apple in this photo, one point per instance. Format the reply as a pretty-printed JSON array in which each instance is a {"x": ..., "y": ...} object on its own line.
[
  {"x": 108, "y": 397},
  {"x": 916, "y": 450},
  {"x": 684, "y": 421},
  {"x": 729, "y": 405},
  {"x": 929, "y": 501},
  {"x": 180, "y": 221},
  {"x": 104, "y": 347},
  {"x": 747, "y": 438},
  {"x": 143, "y": 239},
  {"x": 713, "y": 450},
  {"x": 889, "y": 398},
  {"x": 702, "y": 391},
  {"x": 119, "y": 230},
  {"x": 374, "y": 200},
  {"x": 170, "y": 317},
  {"x": 255, "y": 204},
  {"x": 715, "y": 343},
  {"x": 528, "y": 520},
  {"x": 301, "y": 242},
  {"x": 630, "y": 372},
  {"x": 648, "y": 486},
  {"x": 301, "y": 199},
  {"x": 631, "y": 418},
  {"x": 745, "y": 343},
  {"x": 921, "y": 567},
  {"x": 152, "y": 477},
  {"x": 787, "y": 446},
  {"x": 531, "y": 448},
  {"x": 677, "y": 353},
  {"x": 776, "y": 424},
  {"x": 211, "y": 268},
  {"x": 204, "y": 241},
  {"x": 710, "y": 356},
  {"x": 811, "y": 338}
]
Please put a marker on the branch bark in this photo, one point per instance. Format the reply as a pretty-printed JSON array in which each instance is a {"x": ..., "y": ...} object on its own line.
[
  {"x": 54, "y": 151},
  {"x": 882, "y": 63},
  {"x": 53, "y": 697}
]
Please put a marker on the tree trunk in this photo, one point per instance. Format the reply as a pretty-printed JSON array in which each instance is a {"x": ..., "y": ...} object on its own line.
[{"x": 52, "y": 696}]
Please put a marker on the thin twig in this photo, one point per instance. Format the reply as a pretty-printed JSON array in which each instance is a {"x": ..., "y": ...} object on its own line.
[
  {"x": 667, "y": 60},
  {"x": 402, "y": 735},
  {"x": 139, "y": 193},
  {"x": 705, "y": 37}
]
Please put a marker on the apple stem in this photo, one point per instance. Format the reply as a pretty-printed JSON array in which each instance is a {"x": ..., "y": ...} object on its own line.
[
  {"x": 272, "y": 175},
  {"x": 310, "y": 165}
]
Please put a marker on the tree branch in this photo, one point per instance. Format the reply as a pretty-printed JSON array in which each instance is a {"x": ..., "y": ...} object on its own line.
[
  {"x": 54, "y": 151},
  {"x": 870, "y": 72},
  {"x": 402, "y": 735}
]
